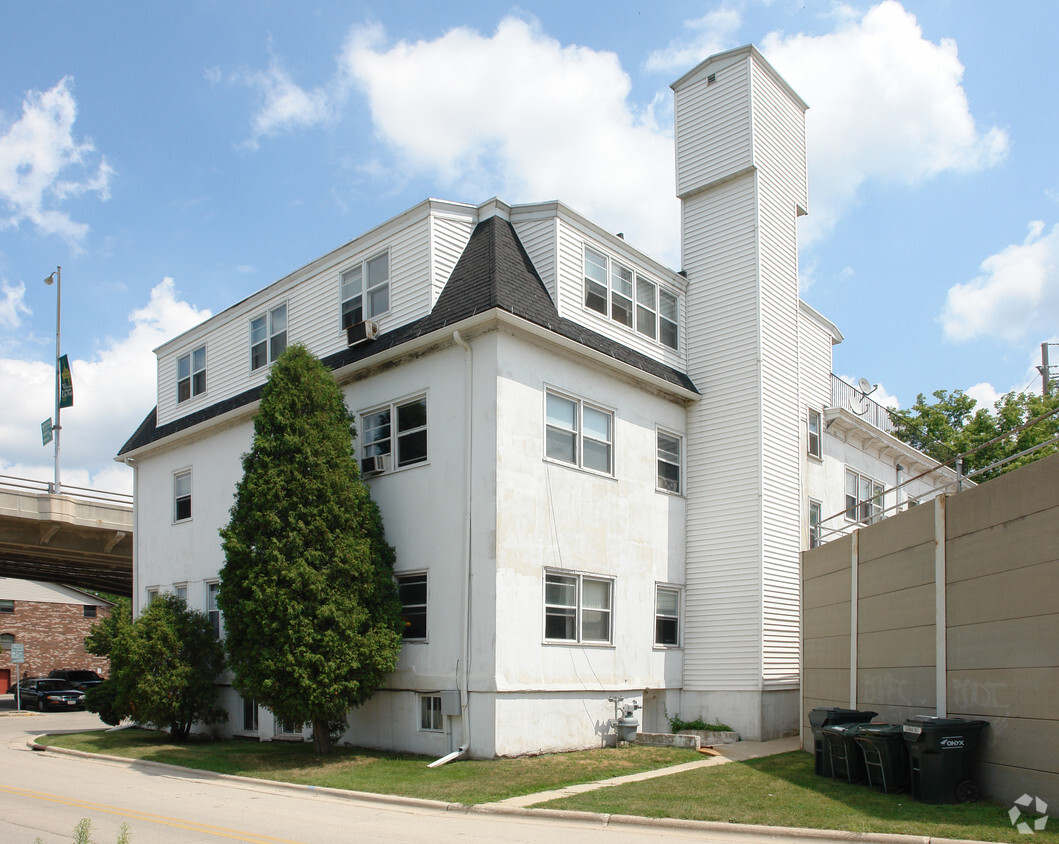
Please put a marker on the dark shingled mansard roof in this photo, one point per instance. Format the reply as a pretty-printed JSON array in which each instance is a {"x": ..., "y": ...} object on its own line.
[{"x": 494, "y": 271}]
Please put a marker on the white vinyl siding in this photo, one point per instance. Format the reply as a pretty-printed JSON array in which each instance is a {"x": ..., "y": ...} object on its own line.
[
  {"x": 312, "y": 298},
  {"x": 538, "y": 237}
]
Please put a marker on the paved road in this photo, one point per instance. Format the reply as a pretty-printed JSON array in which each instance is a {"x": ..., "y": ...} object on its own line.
[{"x": 44, "y": 795}]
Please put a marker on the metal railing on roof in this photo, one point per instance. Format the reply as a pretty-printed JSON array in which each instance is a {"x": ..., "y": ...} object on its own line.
[{"x": 847, "y": 397}]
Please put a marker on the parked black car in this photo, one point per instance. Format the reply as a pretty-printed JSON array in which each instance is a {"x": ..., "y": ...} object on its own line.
[
  {"x": 77, "y": 678},
  {"x": 43, "y": 693}
]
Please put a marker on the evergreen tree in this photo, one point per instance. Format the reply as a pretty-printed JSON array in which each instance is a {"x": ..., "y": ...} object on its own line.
[
  {"x": 162, "y": 667},
  {"x": 951, "y": 425},
  {"x": 311, "y": 615}
]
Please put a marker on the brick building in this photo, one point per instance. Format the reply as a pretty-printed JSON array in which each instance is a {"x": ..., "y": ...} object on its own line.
[{"x": 51, "y": 621}]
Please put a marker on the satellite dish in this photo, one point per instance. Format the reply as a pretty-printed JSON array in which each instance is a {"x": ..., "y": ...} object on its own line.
[{"x": 866, "y": 386}]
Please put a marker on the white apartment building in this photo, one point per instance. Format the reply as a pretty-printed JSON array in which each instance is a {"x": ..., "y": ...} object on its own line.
[{"x": 598, "y": 473}]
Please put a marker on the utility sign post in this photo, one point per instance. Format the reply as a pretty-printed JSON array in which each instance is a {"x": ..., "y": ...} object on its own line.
[
  {"x": 18, "y": 656},
  {"x": 45, "y": 431}
]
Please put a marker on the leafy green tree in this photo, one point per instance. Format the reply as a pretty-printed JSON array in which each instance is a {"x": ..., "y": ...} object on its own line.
[
  {"x": 162, "y": 667},
  {"x": 311, "y": 615},
  {"x": 951, "y": 426}
]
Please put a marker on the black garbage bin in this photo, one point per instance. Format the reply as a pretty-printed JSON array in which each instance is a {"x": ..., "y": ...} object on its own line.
[
  {"x": 846, "y": 758},
  {"x": 824, "y": 716},
  {"x": 885, "y": 755},
  {"x": 940, "y": 752}
]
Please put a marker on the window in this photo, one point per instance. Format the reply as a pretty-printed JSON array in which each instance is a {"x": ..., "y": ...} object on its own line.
[
  {"x": 191, "y": 374},
  {"x": 181, "y": 591},
  {"x": 813, "y": 430},
  {"x": 268, "y": 337},
  {"x": 430, "y": 713},
  {"x": 212, "y": 612},
  {"x": 412, "y": 591},
  {"x": 365, "y": 290},
  {"x": 577, "y": 608},
  {"x": 288, "y": 728},
  {"x": 152, "y": 595},
  {"x": 814, "y": 523},
  {"x": 90, "y": 610},
  {"x": 578, "y": 434},
  {"x": 182, "y": 496},
  {"x": 669, "y": 446},
  {"x": 6, "y": 641},
  {"x": 249, "y": 715},
  {"x": 667, "y": 616},
  {"x": 7, "y": 605},
  {"x": 614, "y": 290},
  {"x": 863, "y": 498},
  {"x": 409, "y": 440}
]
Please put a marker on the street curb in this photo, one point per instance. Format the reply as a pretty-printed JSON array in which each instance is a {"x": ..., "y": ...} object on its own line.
[{"x": 588, "y": 818}]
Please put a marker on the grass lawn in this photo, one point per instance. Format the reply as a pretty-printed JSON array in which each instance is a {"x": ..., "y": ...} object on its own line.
[
  {"x": 775, "y": 791},
  {"x": 355, "y": 769},
  {"x": 783, "y": 791}
]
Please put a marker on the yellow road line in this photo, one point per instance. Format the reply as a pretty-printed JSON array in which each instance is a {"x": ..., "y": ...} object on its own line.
[{"x": 219, "y": 832}]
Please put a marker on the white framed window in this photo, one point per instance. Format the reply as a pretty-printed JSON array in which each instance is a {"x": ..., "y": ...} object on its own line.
[
  {"x": 630, "y": 299},
  {"x": 394, "y": 436},
  {"x": 412, "y": 592},
  {"x": 365, "y": 290},
  {"x": 212, "y": 611},
  {"x": 670, "y": 461},
  {"x": 577, "y": 607},
  {"x": 667, "y": 616},
  {"x": 814, "y": 523},
  {"x": 288, "y": 728},
  {"x": 268, "y": 337},
  {"x": 181, "y": 591},
  {"x": 430, "y": 719},
  {"x": 863, "y": 498},
  {"x": 152, "y": 596},
  {"x": 578, "y": 433},
  {"x": 191, "y": 374},
  {"x": 813, "y": 433},
  {"x": 182, "y": 495}
]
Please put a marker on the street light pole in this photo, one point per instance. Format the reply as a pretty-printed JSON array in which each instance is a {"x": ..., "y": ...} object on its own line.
[{"x": 57, "y": 277}]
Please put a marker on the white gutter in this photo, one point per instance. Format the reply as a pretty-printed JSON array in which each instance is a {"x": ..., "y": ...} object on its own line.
[{"x": 463, "y": 671}]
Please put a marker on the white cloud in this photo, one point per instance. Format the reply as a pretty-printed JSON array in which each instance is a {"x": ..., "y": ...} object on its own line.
[
  {"x": 520, "y": 115},
  {"x": 41, "y": 165},
  {"x": 286, "y": 106},
  {"x": 112, "y": 395},
  {"x": 712, "y": 33},
  {"x": 1016, "y": 296},
  {"x": 984, "y": 393},
  {"x": 886, "y": 106},
  {"x": 12, "y": 304}
]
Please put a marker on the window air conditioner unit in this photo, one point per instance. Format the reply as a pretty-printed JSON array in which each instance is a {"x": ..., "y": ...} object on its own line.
[
  {"x": 361, "y": 332},
  {"x": 374, "y": 465}
]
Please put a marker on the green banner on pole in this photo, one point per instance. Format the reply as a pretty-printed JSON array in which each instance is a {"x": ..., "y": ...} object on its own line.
[
  {"x": 66, "y": 383},
  {"x": 45, "y": 431}
]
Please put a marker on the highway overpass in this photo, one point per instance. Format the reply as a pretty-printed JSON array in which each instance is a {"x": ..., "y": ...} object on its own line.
[{"x": 81, "y": 538}]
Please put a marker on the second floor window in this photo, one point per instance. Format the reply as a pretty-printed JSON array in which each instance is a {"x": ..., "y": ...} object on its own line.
[
  {"x": 863, "y": 498},
  {"x": 412, "y": 592},
  {"x": 212, "y": 610},
  {"x": 668, "y": 462},
  {"x": 396, "y": 433},
  {"x": 366, "y": 290},
  {"x": 268, "y": 337},
  {"x": 191, "y": 374},
  {"x": 181, "y": 496},
  {"x": 814, "y": 523},
  {"x": 813, "y": 441},
  {"x": 579, "y": 434}
]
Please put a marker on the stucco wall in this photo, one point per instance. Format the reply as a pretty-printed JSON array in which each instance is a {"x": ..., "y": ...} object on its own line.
[{"x": 998, "y": 659}]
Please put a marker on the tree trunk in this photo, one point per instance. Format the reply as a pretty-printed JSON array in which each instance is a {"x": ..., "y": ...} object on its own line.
[{"x": 321, "y": 736}]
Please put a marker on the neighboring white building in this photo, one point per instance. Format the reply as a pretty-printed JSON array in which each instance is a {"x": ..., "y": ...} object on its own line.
[{"x": 595, "y": 470}]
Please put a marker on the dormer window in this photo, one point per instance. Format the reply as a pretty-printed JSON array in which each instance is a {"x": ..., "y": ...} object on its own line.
[
  {"x": 268, "y": 337},
  {"x": 191, "y": 374},
  {"x": 365, "y": 290},
  {"x": 631, "y": 299}
]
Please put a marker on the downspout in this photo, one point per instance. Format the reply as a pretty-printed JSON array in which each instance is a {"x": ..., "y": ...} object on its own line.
[{"x": 463, "y": 670}]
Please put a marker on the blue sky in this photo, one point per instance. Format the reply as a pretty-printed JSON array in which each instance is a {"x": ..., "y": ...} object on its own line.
[{"x": 175, "y": 157}]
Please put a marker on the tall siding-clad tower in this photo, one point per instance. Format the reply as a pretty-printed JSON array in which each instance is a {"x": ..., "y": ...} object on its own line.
[{"x": 741, "y": 179}]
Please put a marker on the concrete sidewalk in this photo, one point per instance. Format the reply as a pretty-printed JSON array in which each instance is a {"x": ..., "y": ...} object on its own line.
[{"x": 737, "y": 752}]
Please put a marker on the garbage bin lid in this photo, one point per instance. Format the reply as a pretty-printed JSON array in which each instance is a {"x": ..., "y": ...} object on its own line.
[
  {"x": 881, "y": 729},
  {"x": 930, "y": 723}
]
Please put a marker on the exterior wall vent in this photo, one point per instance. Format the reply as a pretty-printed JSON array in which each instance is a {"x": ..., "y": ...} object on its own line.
[{"x": 711, "y": 78}]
